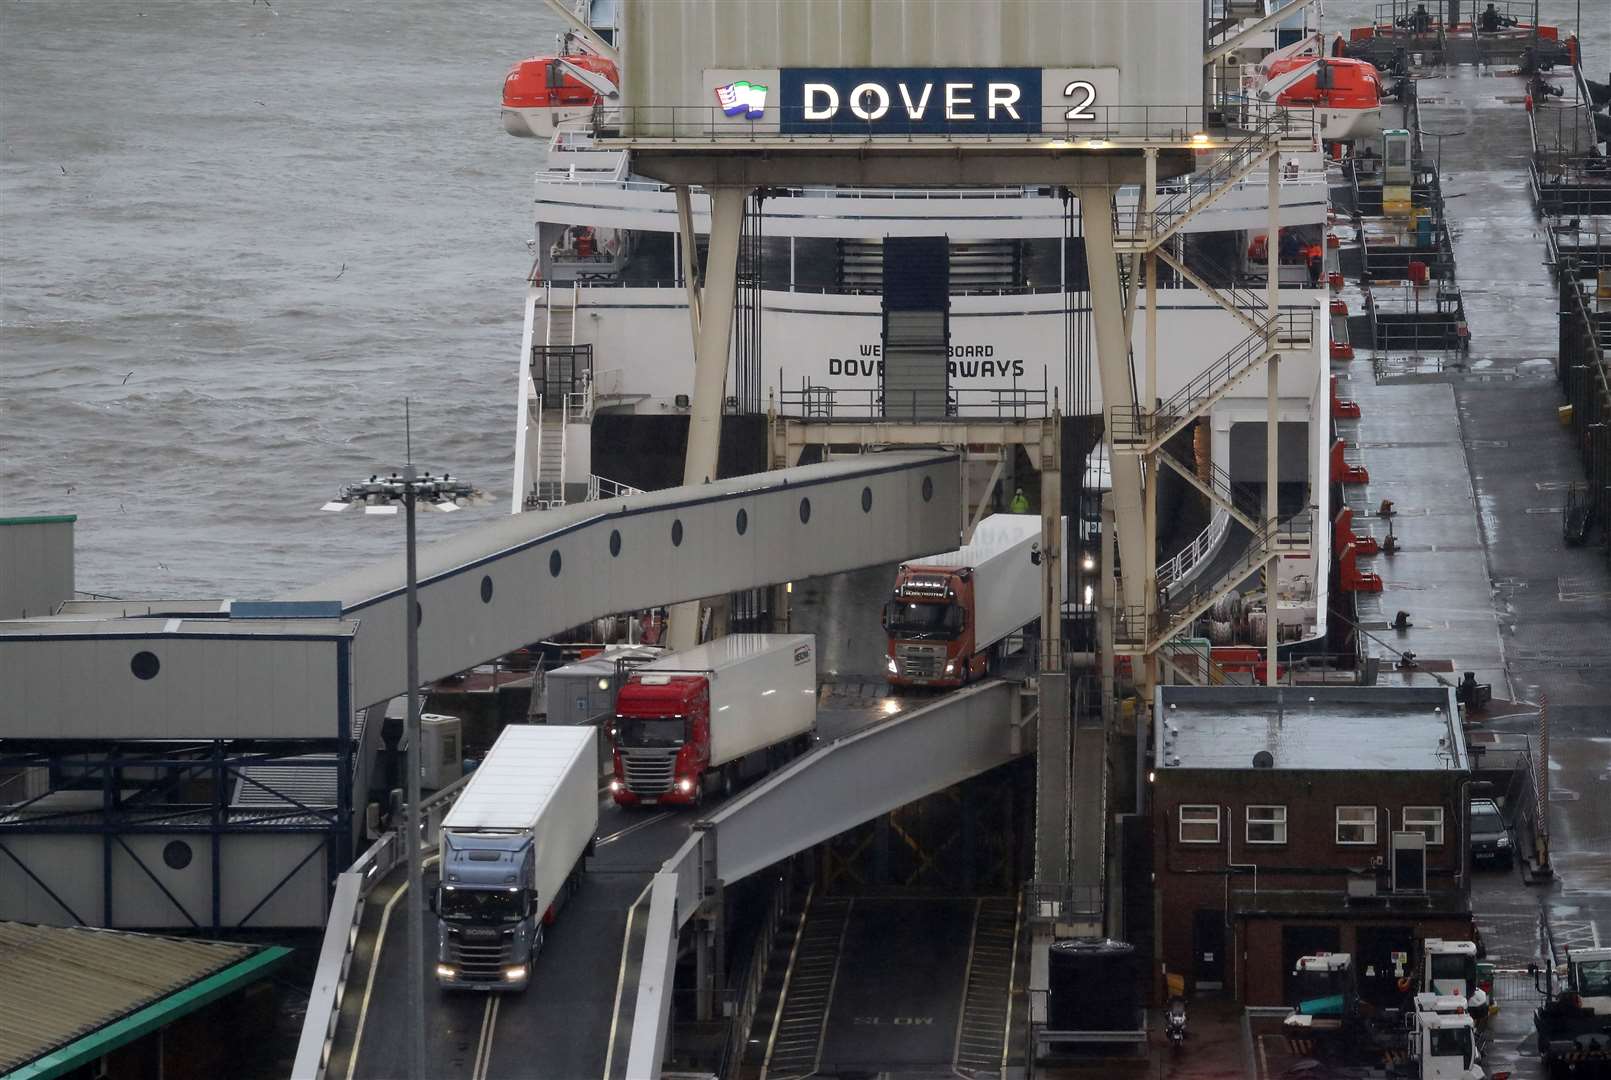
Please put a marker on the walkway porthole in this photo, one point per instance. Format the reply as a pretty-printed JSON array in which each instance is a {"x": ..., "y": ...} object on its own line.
[
  {"x": 419, "y": 615},
  {"x": 805, "y": 511},
  {"x": 145, "y": 665},
  {"x": 615, "y": 542},
  {"x": 742, "y": 521},
  {"x": 676, "y": 533},
  {"x": 553, "y": 564},
  {"x": 928, "y": 488},
  {"x": 486, "y": 588},
  {"x": 176, "y": 854},
  {"x": 866, "y": 500}
]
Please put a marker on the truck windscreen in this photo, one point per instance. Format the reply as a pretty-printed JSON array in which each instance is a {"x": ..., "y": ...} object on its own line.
[
  {"x": 481, "y": 905},
  {"x": 1454, "y": 967},
  {"x": 1594, "y": 978},
  {"x": 650, "y": 731},
  {"x": 938, "y": 620}
]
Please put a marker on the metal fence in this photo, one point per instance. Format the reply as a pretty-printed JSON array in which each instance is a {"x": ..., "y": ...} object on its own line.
[{"x": 1515, "y": 986}]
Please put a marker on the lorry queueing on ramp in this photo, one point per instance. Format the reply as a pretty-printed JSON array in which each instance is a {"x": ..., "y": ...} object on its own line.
[
  {"x": 511, "y": 852},
  {"x": 948, "y": 611},
  {"x": 704, "y": 720}
]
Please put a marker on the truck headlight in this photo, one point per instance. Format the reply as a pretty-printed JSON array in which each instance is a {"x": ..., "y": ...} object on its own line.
[
  {"x": 515, "y": 973},
  {"x": 615, "y": 786},
  {"x": 445, "y": 971},
  {"x": 890, "y": 664},
  {"x": 1504, "y": 841},
  {"x": 685, "y": 785},
  {"x": 950, "y": 666}
]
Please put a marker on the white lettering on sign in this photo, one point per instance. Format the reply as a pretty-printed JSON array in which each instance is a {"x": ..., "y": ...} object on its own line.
[
  {"x": 954, "y": 101},
  {"x": 1082, "y": 111},
  {"x": 916, "y": 112},
  {"x": 815, "y": 90},
  {"x": 1005, "y": 95},
  {"x": 858, "y": 99},
  {"x": 899, "y": 1021}
]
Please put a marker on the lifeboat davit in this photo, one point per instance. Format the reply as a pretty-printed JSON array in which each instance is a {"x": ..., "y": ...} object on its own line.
[
  {"x": 544, "y": 93},
  {"x": 1345, "y": 94}
]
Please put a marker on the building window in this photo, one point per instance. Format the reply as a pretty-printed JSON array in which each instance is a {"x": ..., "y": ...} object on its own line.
[
  {"x": 1266, "y": 824},
  {"x": 1427, "y": 820},
  {"x": 1199, "y": 824},
  {"x": 1356, "y": 824}
]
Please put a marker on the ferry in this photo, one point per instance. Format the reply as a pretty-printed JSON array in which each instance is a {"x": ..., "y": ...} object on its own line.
[{"x": 606, "y": 358}]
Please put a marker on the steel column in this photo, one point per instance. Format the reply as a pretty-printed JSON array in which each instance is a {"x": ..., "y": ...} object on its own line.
[
  {"x": 712, "y": 344},
  {"x": 1272, "y": 422},
  {"x": 1113, "y": 367}
]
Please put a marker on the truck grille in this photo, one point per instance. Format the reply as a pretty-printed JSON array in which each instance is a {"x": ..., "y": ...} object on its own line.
[
  {"x": 648, "y": 772},
  {"x": 920, "y": 661},
  {"x": 481, "y": 958}
]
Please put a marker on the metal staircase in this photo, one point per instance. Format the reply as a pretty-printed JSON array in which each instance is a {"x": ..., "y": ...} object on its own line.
[
  {"x": 1139, "y": 432},
  {"x": 1178, "y": 610},
  {"x": 1271, "y": 130},
  {"x": 562, "y": 381}
]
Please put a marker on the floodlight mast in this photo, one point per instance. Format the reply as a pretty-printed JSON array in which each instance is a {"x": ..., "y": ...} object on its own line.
[{"x": 381, "y": 495}]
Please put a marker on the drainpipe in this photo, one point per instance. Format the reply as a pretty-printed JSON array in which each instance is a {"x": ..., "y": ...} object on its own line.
[{"x": 1231, "y": 864}]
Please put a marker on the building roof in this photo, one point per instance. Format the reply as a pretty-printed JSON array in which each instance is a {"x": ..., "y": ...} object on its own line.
[
  {"x": 72, "y": 994},
  {"x": 1365, "y": 728}
]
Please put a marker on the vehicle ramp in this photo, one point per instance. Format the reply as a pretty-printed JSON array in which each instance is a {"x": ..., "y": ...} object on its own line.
[{"x": 835, "y": 788}]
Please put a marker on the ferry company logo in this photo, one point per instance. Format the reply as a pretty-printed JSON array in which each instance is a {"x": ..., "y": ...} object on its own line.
[{"x": 742, "y": 98}]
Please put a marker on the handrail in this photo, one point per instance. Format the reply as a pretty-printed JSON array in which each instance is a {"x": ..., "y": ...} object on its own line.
[
  {"x": 353, "y": 886},
  {"x": 1194, "y": 555},
  {"x": 1103, "y": 125}
]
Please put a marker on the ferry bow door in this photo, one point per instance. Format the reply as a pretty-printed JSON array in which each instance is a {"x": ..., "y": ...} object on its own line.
[{"x": 916, "y": 382}]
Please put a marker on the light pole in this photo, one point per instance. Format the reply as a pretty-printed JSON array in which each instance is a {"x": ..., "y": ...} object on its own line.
[{"x": 380, "y": 495}]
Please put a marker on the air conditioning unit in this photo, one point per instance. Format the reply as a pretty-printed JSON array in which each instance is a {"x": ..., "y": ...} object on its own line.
[{"x": 441, "y": 750}]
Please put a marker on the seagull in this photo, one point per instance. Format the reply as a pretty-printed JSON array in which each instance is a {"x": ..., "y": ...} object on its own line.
[
  {"x": 62, "y": 167},
  {"x": 125, "y": 381},
  {"x": 338, "y": 275},
  {"x": 120, "y": 509},
  {"x": 71, "y": 488},
  {"x": 162, "y": 566}
]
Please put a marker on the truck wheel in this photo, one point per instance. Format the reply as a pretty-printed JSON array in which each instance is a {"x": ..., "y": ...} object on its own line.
[{"x": 727, "y": 778}]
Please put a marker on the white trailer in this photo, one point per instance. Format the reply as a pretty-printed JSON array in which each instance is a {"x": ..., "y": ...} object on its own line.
[{"x": 510, "y": 847}]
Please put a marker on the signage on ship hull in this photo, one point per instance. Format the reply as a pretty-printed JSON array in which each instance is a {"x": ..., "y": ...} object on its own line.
[
  {"x": 926, "y": 101},
  {"x": 965, "y": 363}
]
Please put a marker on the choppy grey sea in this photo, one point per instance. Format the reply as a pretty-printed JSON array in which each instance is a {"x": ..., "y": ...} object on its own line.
[{"x": 234, "y": 236}]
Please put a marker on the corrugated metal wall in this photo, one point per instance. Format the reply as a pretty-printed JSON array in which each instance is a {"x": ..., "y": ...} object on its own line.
[{"x": 1157, "y": 45}]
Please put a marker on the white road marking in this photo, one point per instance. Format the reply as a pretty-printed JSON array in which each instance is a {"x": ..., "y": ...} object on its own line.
[
  {"x": 630, "y": 829},
  {"x": 620, "y": 978},
  {"x": 374, "y": 966},
  {"x": 483, "y": 1046}
]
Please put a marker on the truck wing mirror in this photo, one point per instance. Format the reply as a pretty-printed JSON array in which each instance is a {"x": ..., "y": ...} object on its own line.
[{"x": 433, "y": 902}]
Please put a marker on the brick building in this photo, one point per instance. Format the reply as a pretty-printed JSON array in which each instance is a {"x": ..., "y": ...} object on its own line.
[{"x": 1294, "y": 820}]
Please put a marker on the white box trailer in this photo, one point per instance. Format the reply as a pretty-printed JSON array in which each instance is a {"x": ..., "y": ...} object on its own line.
[
  {"x": 510, "y": 846},
  {"x": 711, "y": 712},
  {"x": 584, "y": 692}
]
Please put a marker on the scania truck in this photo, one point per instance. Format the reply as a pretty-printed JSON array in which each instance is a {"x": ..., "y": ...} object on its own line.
[
  {"x": 511, "y": 850},
  {"x": 708, "y": 718},
  {"x": 949, "y": 610}
]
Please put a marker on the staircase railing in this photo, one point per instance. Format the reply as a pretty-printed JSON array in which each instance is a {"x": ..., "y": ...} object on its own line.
[{"x": 1135, "y": 427}]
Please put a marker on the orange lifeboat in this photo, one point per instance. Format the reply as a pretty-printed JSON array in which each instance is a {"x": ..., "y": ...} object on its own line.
[
  {"x": 544, "y": 93},
  {"x": 1345, "y": 94}
]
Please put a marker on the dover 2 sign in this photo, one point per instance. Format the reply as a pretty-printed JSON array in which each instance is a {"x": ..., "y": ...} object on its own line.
[{"x": 903, "y": 101}]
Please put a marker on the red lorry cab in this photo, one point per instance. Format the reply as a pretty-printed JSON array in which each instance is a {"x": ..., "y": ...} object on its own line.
[{"x": 673, "y": 712}]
